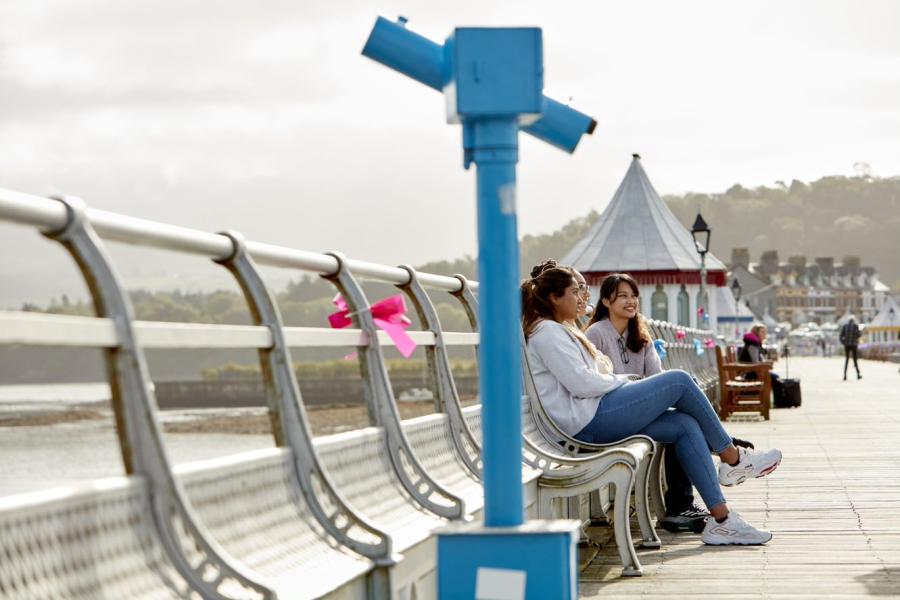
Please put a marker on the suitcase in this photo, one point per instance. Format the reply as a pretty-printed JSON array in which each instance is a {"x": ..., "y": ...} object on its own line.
[{"x": 786, "y": 393}]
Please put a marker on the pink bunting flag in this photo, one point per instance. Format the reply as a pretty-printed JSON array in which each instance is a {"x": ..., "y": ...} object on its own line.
[
  {"x": 679, "y": 335},
  {"x": 389, "y": 316},
  {"x": 710, "y": 343}
]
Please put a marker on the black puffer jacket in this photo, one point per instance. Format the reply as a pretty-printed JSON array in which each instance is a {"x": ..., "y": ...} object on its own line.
[{"x": 850, "y": 334}]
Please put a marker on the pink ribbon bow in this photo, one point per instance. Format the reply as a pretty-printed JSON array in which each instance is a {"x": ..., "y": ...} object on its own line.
[
  {"x": 389, "y": 315},
  {"x": 709, "y": 343},
  {"x": 679, "y": 335}
]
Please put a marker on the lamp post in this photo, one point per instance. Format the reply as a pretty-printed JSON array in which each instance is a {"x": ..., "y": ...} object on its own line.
[
  {"x": 700, "y": 231},
  {"x": 890, "y": 322},
  {"x": 736, "y": 292}
]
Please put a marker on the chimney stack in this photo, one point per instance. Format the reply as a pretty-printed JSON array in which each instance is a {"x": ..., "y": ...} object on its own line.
[
  {"x": 798, "y": 261},
  {"x": 768, "y": 262},
  {"x": 740, "y": 257},
  {"x": 852, "y": 262},
  {"x": 826, "y": 265}
]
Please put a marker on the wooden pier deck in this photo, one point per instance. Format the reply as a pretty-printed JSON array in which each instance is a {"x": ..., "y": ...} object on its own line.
[{"x": 833, "y": 504}]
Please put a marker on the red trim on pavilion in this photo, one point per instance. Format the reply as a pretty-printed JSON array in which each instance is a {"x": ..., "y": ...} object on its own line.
[{"x": 714, "y": 278}]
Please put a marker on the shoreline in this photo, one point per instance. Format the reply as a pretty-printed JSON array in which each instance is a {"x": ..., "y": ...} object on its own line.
[{"x": 324, "y": 420}]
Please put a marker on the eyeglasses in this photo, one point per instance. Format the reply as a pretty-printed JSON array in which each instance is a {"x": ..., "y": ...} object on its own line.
[{"x": 623, "y": 351}]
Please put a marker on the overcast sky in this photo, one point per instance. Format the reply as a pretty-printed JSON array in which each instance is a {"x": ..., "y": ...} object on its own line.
[{"x": 264, "y": 117}]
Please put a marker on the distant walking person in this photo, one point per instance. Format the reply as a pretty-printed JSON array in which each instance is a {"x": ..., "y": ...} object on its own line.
[{"x": 850, "y": 339}]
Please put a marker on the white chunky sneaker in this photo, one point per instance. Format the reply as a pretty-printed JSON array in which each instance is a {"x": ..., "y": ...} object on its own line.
[
  {"x": 753, "y": 463},
  {"x": 733, "y": 530}
]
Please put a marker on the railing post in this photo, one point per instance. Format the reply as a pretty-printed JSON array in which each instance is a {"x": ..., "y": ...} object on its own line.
[
  {"x": 427, "y": 491},
  {"x": 140, "y": 435},
  {"x": 446, "y": 394},
  {"x": 290, "y": 422}
]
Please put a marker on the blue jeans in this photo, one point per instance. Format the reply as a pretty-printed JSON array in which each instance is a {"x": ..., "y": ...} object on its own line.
[{"x": 670, "y": 408}]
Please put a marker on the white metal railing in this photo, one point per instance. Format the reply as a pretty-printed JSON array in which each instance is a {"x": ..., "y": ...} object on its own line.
[
  {"x": 40, "y": 329},
  {"x": 49, "y": 215},
  {"x": 82, "y": 231}
]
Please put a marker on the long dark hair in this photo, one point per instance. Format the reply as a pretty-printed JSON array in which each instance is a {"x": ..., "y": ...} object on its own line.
[
  {"x": 638, "y": 334},
  {"x": 547, "y": 279}
]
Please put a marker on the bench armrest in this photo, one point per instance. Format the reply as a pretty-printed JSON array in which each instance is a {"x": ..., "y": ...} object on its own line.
[{"x": 746, "y": 367}]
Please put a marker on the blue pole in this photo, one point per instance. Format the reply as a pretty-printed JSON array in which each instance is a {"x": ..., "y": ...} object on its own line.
[
  {"x": 492, "y": 80},
  {"x": 495, "y": 152}
]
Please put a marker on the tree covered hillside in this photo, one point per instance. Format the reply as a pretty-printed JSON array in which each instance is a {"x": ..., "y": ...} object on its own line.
[{"x": 834, "y": 216}]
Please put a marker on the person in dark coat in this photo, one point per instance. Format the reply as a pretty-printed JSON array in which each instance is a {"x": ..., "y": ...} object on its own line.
[
  {"x": 849, "y": 337},
  {"x": 753, "y": 351}
]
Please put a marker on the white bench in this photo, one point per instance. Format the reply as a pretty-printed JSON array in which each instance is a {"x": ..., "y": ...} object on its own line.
[
  {"x": 96, "y": 540},
  {"x": 250, "y": 505},
  {"x": 260, "y": 524},
  {"x": 276, "y": 516},
  {"x": 348, "y": 515}
]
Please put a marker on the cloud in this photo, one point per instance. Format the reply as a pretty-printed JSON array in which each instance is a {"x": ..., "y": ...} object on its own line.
[{"x": 264, "y": 117}]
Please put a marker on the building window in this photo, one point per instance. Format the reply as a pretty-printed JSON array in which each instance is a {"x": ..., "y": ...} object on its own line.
[
  {"x": 659, "y": 305},
  {"x": 684, "y": 308}
]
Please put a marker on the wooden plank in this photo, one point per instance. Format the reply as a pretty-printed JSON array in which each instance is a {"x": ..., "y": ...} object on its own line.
[{"x": 833, "y": 505}]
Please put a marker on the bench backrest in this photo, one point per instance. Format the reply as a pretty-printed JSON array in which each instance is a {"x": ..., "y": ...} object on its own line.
[
  {"x": 239, "y": 495},
  {"x": 250, "y": 504},
  {"x": 93, "y": 541}
]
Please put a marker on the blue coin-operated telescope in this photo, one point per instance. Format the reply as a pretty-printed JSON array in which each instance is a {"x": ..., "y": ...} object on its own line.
[
  {"x": 484, "y": 73},
  {"x": 493, "y": 81}
]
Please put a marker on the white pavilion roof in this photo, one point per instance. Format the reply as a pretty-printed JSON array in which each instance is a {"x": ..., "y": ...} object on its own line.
[
  {"x": 888, "y": 315},
  {"x": 725, "y": 306},
  {"x": 638, "y": 232}
]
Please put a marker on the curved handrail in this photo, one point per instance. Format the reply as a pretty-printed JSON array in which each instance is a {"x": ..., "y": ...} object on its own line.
[
  {"x": 443, "y": 384},
  {"x": 137, "y": 422},
  {"x": 49, "y": 216},
  {"x": 383, "y": 408},
  {"x": 289, "y": 415}
]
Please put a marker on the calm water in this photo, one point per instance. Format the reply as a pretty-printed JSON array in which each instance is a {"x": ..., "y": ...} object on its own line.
[{"x": 39, "y": 457}]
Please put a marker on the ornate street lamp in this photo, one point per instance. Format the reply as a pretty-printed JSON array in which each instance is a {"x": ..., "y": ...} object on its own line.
[
  {"x": 700, "y": 232},
  {"x": 736, "y": 289},
  {"x": 736, "y": 292}
]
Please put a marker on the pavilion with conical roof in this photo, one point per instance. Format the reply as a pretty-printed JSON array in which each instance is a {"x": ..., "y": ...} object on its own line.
[
  {"x": 638, "y": 234},
  {"x": 885, "y": 326}
]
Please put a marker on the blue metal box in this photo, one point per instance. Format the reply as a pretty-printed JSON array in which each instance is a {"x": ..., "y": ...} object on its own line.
[
  {"x": 495, "y": 73},
  {"x": 534, "y": 561}
]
